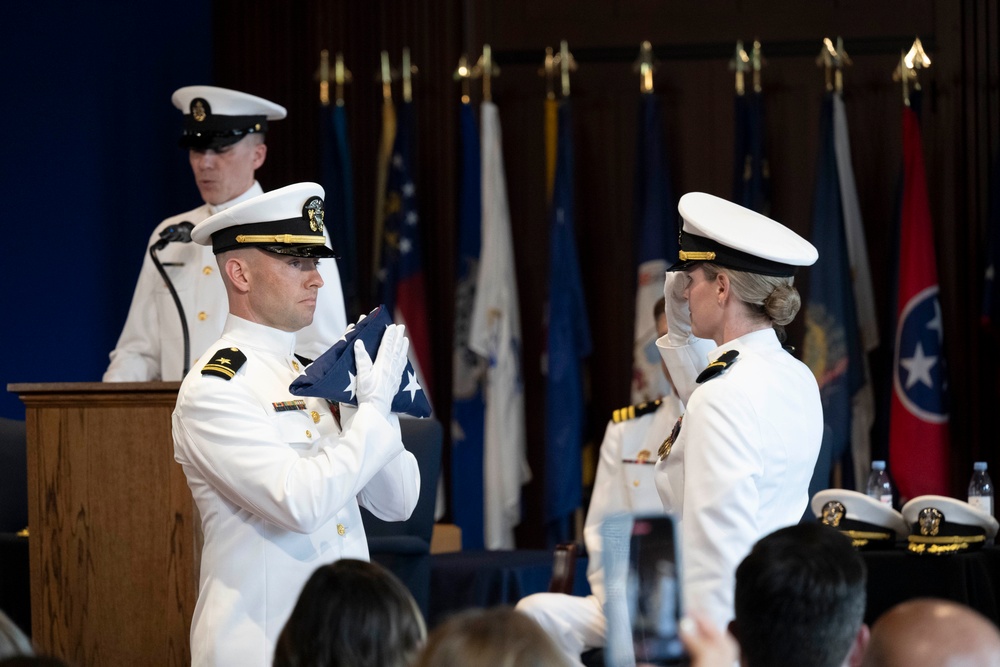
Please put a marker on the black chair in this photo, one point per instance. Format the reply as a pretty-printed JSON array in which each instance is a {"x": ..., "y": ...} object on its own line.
[
  {"x": 15, "y": 591},
  {"x": 404, "y": 547}
]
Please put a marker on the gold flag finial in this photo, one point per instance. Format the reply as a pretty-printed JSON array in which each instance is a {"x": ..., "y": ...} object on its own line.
[
  {"x": 906, "y": 71},
  {"x": 487, "y": 69},
  {"x": 341, "y": 77},
  {"x": 548, "y": 70},
  {"x": 324, "y": 77},
  {"x": 645, "y": 65},
  {"x": 409, "y": 69},
  {"x": 756, "y": 63},
  {"x": 566, "y": 64},
  {"x": 740, "y": 64},
  {"x": 463, "y": 73},
  {"x": 386, "y": 77},
  {"x": 825, "y": 59}
]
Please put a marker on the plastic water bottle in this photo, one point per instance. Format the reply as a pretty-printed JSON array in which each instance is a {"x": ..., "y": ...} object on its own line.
[
  {"x": 879, "y": 486},
  {"x": 981, "y": 488}
]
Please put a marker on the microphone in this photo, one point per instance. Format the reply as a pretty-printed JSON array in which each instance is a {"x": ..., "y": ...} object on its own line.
[{"x": 181, "y": 233}]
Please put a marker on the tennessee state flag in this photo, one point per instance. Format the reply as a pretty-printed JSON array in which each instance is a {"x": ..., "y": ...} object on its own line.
[{"x": 918, "y": 418}]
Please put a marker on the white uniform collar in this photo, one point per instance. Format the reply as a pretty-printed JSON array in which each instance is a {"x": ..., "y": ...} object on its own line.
[
  {"x": 245, "y": 333},
  {"x": 254, "y": 190},
  {"x": 762, "y": 339}
]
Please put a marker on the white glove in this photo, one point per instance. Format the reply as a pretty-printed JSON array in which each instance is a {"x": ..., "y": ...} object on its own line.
[
  {"x": 677, "y": 308},
  {"x": 379, "y": 382}
]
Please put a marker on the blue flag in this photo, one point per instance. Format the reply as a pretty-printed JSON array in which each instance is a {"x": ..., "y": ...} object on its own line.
[
  {"x": 338, "y": 181},
  {"x": 751, "y": 173},
  {"x": 655, "y": 212},
  {"x": 401, "y": 275},
  {"x": 568, "y": 343},
  {"x": 832, "y": 348},
  {"x": 468, "y": 406}
]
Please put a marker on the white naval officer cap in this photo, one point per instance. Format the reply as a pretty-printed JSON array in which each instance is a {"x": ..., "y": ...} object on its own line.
[
  {"x": 943, "y": 525},
  {"x": 718, "y": 231},
  {"x": 869, "y": 523},
  {"x": 217, "y": 117},
  {"x": 288, "y": 221}
]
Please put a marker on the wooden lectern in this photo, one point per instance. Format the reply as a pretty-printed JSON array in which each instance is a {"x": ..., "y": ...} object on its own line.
[{"x": 113, "y": 532}]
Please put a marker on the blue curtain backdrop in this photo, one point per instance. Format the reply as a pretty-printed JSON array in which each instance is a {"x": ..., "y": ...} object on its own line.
[{"x": 90, "y": 166}]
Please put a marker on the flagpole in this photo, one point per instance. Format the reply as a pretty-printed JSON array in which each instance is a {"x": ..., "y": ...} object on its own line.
[
  {"x": 833, "y": 59},
  {"x": 911, "y": 61},
  {"x": 756, "y": 63},
  {"x": 464, "y": 74}
]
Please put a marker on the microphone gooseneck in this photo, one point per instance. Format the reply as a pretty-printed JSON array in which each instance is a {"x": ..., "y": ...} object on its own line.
[{"x": 179, "y": 233}]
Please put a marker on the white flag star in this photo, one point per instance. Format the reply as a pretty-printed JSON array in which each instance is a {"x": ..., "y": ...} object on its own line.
[
  {"x": 352, "y": 385},
  {"x": 918, "y": 368},
  {"x": 408, "y": 189},
  {"x": 405, "y": 246},
  {"x": 935, "y": 324},
  {"x": 412, "y": 386},
  {"x": 412, "y": 218}
]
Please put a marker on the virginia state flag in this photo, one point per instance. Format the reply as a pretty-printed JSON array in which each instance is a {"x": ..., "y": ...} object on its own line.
[
  {"x": 568, "y": 343},
  {"x": 401, "y": 276},
  {"x": 338, "y": 181},
  {"x": 469, "y": 369},
  {"x": 918, "y": 418},
  {"x": 655, "y": 212},
  {"x": 496, "y": 335},
  {"x": 832, "y": 347},
  {"x": 751, "y": 173}
]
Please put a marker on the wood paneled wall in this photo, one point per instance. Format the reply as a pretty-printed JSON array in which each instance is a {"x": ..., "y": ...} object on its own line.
[{"x": 272, "y": 49}]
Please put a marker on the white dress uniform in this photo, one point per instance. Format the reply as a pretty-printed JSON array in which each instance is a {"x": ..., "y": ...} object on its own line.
[
  {"x": 278, "y": 485},
  {"x": 151, "y": 345},
  {"x": 624, "y": 484},
  {"x": 741, "y": 464}
]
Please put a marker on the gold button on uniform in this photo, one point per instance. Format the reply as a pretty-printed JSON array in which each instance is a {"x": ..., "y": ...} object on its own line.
[
  {"x": 207, "y": 270},
  {"x": 309, "y": 434},
  {"x": 635, "y": 483},
  {"x": 295, "y": 365},
  {"x": 203, "y": 316},
  {"x": 341, "y": 530},
  {"x": 315, "y": 416}
]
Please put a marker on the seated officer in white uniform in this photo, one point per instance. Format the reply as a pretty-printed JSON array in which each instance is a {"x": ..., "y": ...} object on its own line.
[
  {"x": 277, "y": 480},
  {"x": 224, "y": 132},
  {"x": 740, "y": 464},
  {"x": 624, "y": 484}
]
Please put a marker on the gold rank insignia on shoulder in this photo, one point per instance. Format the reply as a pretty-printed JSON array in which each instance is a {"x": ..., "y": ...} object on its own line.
[
  {"x": 664, "y": 451},
  {"x": 633, "y": 411},
  {"x": 719, "y": 365},
  {"x": 225, "y": 363}
]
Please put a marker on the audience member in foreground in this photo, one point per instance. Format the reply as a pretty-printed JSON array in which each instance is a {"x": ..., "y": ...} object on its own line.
[
  {"x": 498, "y": 637},
  {"x": 800, "y": 600},
  {"x": 352, "y": 612},
  {"x": 933, "y": 632}
]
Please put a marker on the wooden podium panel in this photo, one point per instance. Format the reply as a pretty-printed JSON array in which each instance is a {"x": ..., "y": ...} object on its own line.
[{"x": 112, "y": 545}]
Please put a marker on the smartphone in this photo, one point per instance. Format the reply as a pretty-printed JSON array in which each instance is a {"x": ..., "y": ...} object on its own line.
[{"x": 642, "y": 573}]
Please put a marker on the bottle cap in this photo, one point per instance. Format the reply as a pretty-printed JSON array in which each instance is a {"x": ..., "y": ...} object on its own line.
[
  {"x": 979, "y": 465},
  {"x": 878, "y": 465}
]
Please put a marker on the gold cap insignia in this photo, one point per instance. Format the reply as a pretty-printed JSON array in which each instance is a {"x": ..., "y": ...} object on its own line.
[
  {"x": 200, "y": 109},
  {"x": 313, "y": 210},
  {"x": 930, "y": 520},
  {"x": 833, "y": 512}
]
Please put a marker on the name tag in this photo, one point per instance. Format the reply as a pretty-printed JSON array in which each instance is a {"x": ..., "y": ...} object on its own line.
[{"x": 285, "y": 406}]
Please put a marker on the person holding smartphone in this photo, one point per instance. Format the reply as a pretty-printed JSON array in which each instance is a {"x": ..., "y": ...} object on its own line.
[{"x": 738, "y": 463}]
